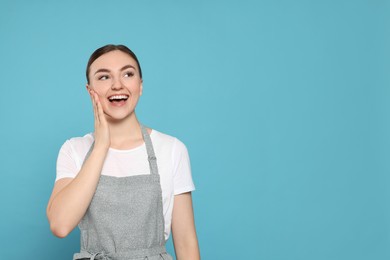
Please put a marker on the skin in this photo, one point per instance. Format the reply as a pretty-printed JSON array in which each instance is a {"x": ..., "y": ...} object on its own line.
[{"x": 116, "y": 126}]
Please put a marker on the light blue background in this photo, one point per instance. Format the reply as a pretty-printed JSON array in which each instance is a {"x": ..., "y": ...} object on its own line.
[{"x": 283, "y": 106}]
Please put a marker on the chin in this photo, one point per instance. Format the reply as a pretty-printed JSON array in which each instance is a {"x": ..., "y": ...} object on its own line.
[{"x": 119, "y": 116}]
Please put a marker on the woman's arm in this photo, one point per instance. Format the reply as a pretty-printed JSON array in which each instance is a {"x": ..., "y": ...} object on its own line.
[
  {"x": 183, "y": 228},
  {"x": 71, "y": 197}
]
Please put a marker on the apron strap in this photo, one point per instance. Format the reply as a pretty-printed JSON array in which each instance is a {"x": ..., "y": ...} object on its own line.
[{"x": 149, "y": 149}]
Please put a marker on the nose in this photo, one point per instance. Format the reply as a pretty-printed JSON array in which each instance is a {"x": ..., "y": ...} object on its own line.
[{"x": 116, "y": 83}]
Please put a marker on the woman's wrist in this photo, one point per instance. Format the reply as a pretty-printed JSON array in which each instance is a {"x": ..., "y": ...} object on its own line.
[{"x": 100, "y": 149}]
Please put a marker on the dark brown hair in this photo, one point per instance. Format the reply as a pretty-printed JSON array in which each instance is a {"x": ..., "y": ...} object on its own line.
[{"x": 108, "y": 48}]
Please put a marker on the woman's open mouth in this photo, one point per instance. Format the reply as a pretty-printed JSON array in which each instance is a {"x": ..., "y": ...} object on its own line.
[{"x": 118, "y": 100}]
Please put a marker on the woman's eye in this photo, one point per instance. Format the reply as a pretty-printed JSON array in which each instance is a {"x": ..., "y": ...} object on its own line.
[
  {"x": 103, "y": 77},
  {"x": 129, "y": 74}
]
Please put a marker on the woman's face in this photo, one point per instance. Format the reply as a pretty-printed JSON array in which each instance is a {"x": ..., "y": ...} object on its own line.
[{"x": 115, "y": 77}]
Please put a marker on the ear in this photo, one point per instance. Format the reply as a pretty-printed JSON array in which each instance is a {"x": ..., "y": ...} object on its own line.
[
  {"x": 140, "y": 89},
  {"x": 88, "y": 87}
]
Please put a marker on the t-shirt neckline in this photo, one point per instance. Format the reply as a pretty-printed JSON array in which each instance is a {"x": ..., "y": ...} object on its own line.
[{"x": 132, "y": 149}]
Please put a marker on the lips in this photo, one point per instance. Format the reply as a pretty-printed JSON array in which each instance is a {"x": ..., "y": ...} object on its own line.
[{"x": 118, "y": 98}]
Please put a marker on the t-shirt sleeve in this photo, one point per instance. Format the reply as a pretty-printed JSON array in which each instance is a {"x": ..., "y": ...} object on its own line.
[
  {"x": 182, "y": 177},
  {"x": 66, "y": 164}
]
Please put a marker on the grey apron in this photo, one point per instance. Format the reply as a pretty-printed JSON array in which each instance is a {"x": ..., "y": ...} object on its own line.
[{"x": 125, "y": 218}]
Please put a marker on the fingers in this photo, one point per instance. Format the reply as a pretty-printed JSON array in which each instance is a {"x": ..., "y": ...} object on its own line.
[
  {"x": 96, "y": 104},
  {"x": 102, "y": 134},
  {"x": 100, "y": 112},
  {"x": 95, "y": 101}
]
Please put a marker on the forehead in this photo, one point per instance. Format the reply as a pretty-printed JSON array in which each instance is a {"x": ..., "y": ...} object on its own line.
[{"x": 113, "y": 60}]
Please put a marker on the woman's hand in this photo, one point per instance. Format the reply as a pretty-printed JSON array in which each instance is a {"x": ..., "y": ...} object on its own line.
[
  {"x": 102, "y": 131},
  {"x": 71, "y": 197}
]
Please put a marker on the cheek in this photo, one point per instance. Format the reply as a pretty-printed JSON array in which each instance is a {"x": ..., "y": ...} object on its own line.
[
  {"x": 101, "y": 96},
  {"x": 102, "y": 99},
  {"x": 99, "y": 90},
  {"x": 134, "y": 88},
  {"x": 101, "y": 86}
]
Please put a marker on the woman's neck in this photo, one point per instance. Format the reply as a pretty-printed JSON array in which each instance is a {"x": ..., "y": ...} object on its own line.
[{"x": 126, "y": 133}]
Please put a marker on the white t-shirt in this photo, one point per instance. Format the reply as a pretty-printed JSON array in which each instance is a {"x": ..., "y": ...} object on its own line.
[{"x": 172, "y": 160}]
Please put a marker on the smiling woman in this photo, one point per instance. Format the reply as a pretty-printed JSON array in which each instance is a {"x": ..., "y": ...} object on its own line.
[
  {"x": 126, "y": 186},
  {"x": 115, "y": 77}
]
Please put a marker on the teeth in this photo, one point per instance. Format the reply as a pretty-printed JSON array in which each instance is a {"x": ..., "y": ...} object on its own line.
[{"x": 117, "y": 97}]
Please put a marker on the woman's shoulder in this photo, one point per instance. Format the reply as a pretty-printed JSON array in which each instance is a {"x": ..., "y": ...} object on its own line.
[
  {"x": 156, "y": 134},
  {"x": 164, "y": 139},
  {"x": 79, "y": 143},
  {"x": 87, "y": 139}
]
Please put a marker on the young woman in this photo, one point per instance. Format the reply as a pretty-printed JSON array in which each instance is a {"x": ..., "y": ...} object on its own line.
[{"x": 126, "y": 186}]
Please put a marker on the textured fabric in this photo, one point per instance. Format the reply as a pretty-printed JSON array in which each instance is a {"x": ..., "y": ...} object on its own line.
[
  {"x": 156, "y": 253},
  {"x": 125, "y": 217},
  {"x": 173, "y": 165}
]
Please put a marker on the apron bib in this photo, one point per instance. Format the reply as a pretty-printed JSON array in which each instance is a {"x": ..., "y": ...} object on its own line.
[{"x": 125, "y": 219}]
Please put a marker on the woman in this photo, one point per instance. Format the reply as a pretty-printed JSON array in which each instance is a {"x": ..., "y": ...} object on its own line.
[{"x": 126, "y": 186}]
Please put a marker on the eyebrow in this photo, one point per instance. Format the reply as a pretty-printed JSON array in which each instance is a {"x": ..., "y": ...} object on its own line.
[{"x": 122, "y": 69}]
